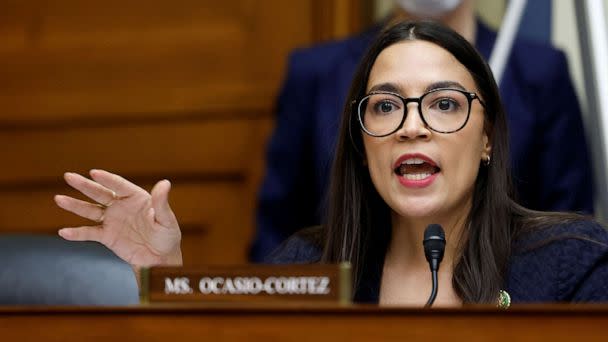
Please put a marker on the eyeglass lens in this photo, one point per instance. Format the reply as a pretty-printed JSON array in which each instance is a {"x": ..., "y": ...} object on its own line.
[{"x": 443, "y": 110}]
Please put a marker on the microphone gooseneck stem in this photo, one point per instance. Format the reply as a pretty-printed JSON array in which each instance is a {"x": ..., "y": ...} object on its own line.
[
  {"x": 433, "y": 290},
  {"x": 434, "y": 247}
]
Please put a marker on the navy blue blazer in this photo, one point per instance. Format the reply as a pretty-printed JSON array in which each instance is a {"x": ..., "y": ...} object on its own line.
[
  {"x": 565, "y": 263},
  {"x": 549, "y": 154}
]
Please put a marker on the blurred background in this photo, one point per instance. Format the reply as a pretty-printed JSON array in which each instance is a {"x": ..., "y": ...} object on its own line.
[{"x": 180, "y": 89}]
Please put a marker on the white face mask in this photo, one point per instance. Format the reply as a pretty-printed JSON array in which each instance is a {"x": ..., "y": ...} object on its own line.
[{"x": 428, "y": 8}]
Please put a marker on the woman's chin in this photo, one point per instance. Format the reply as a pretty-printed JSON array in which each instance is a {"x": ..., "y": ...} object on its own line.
[{"x": 417, "y": 209}]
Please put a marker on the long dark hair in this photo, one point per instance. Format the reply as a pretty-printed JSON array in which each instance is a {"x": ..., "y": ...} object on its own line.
[{"x": 358, "y": 224}]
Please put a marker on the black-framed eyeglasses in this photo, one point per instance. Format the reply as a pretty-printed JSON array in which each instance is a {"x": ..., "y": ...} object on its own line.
[{"x": 442, "y": 110}]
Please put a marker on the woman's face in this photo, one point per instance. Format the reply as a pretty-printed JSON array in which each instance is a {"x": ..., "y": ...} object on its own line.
[{"x": 423, "y": 175}]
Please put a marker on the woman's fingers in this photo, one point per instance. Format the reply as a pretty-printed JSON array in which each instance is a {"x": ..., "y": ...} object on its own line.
[
  {"x": 85, "y": 233},
  {"x": 160, "y": 202},
  {"x": 89, "y": 188},
  {"x": 84, "y": 209},
  {"x": 121, "y": 186}
]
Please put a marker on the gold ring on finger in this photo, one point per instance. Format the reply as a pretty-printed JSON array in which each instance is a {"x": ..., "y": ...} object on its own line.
[
  {"x": 103, "y": 213},
  {"x": 114, "y": 198}
]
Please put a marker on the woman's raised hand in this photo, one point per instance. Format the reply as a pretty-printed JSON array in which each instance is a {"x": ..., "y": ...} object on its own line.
[{"x": 138, "y": 226}]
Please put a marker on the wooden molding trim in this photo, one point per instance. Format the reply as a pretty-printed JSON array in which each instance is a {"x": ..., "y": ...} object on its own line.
[{"x": 335, "y": 19}]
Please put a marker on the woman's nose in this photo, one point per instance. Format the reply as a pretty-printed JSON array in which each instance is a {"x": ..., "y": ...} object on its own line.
[{"x": 413, "y": 126}]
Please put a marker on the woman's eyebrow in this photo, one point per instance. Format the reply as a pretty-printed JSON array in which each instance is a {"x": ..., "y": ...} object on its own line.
[
  {"x": 444, "y": 84},
  {"x": 394, "y": 88},
  {"x": 390, "y": 87}
]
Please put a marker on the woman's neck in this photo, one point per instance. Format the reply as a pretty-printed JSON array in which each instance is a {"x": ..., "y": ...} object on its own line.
[
  {"x": 406, "y": 278},
  {"x": 406, "y": 246}
]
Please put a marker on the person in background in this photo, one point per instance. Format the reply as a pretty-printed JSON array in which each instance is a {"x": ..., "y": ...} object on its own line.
[{"x": 549, "y": 155}]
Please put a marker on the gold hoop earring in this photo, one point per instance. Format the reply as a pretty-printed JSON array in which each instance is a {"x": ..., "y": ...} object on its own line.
[{"x": 487, "y": 161}]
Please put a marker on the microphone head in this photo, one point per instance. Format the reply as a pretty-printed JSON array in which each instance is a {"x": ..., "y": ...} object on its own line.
[{"x": 434, "y": 242}]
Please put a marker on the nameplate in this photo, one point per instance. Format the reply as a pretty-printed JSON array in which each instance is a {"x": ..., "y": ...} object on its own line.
[{"x": 247, "y": 283}]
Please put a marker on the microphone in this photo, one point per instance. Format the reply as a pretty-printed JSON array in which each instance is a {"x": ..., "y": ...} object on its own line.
[{"x": 434, "y": 245}]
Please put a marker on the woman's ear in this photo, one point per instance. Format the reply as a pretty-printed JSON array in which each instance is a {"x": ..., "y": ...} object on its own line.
[{"x": 486, "y": 149}]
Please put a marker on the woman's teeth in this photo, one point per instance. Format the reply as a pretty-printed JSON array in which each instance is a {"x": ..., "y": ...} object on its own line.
[
  {"x": 416, "y": 176},
  {"x": 414, "y": 161}
]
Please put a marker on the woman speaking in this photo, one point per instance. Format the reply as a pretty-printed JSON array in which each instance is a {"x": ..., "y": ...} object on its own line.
[{"x": 423, "y": 141}]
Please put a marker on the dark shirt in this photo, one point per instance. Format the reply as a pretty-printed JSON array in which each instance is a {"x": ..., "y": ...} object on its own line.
[
  {"x": 549, "y": 155},
  {"x": 566, "y": 263}
]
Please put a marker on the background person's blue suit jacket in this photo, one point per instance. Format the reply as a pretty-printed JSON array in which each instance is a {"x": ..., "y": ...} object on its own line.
[{"x": 549, "y": 154}]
